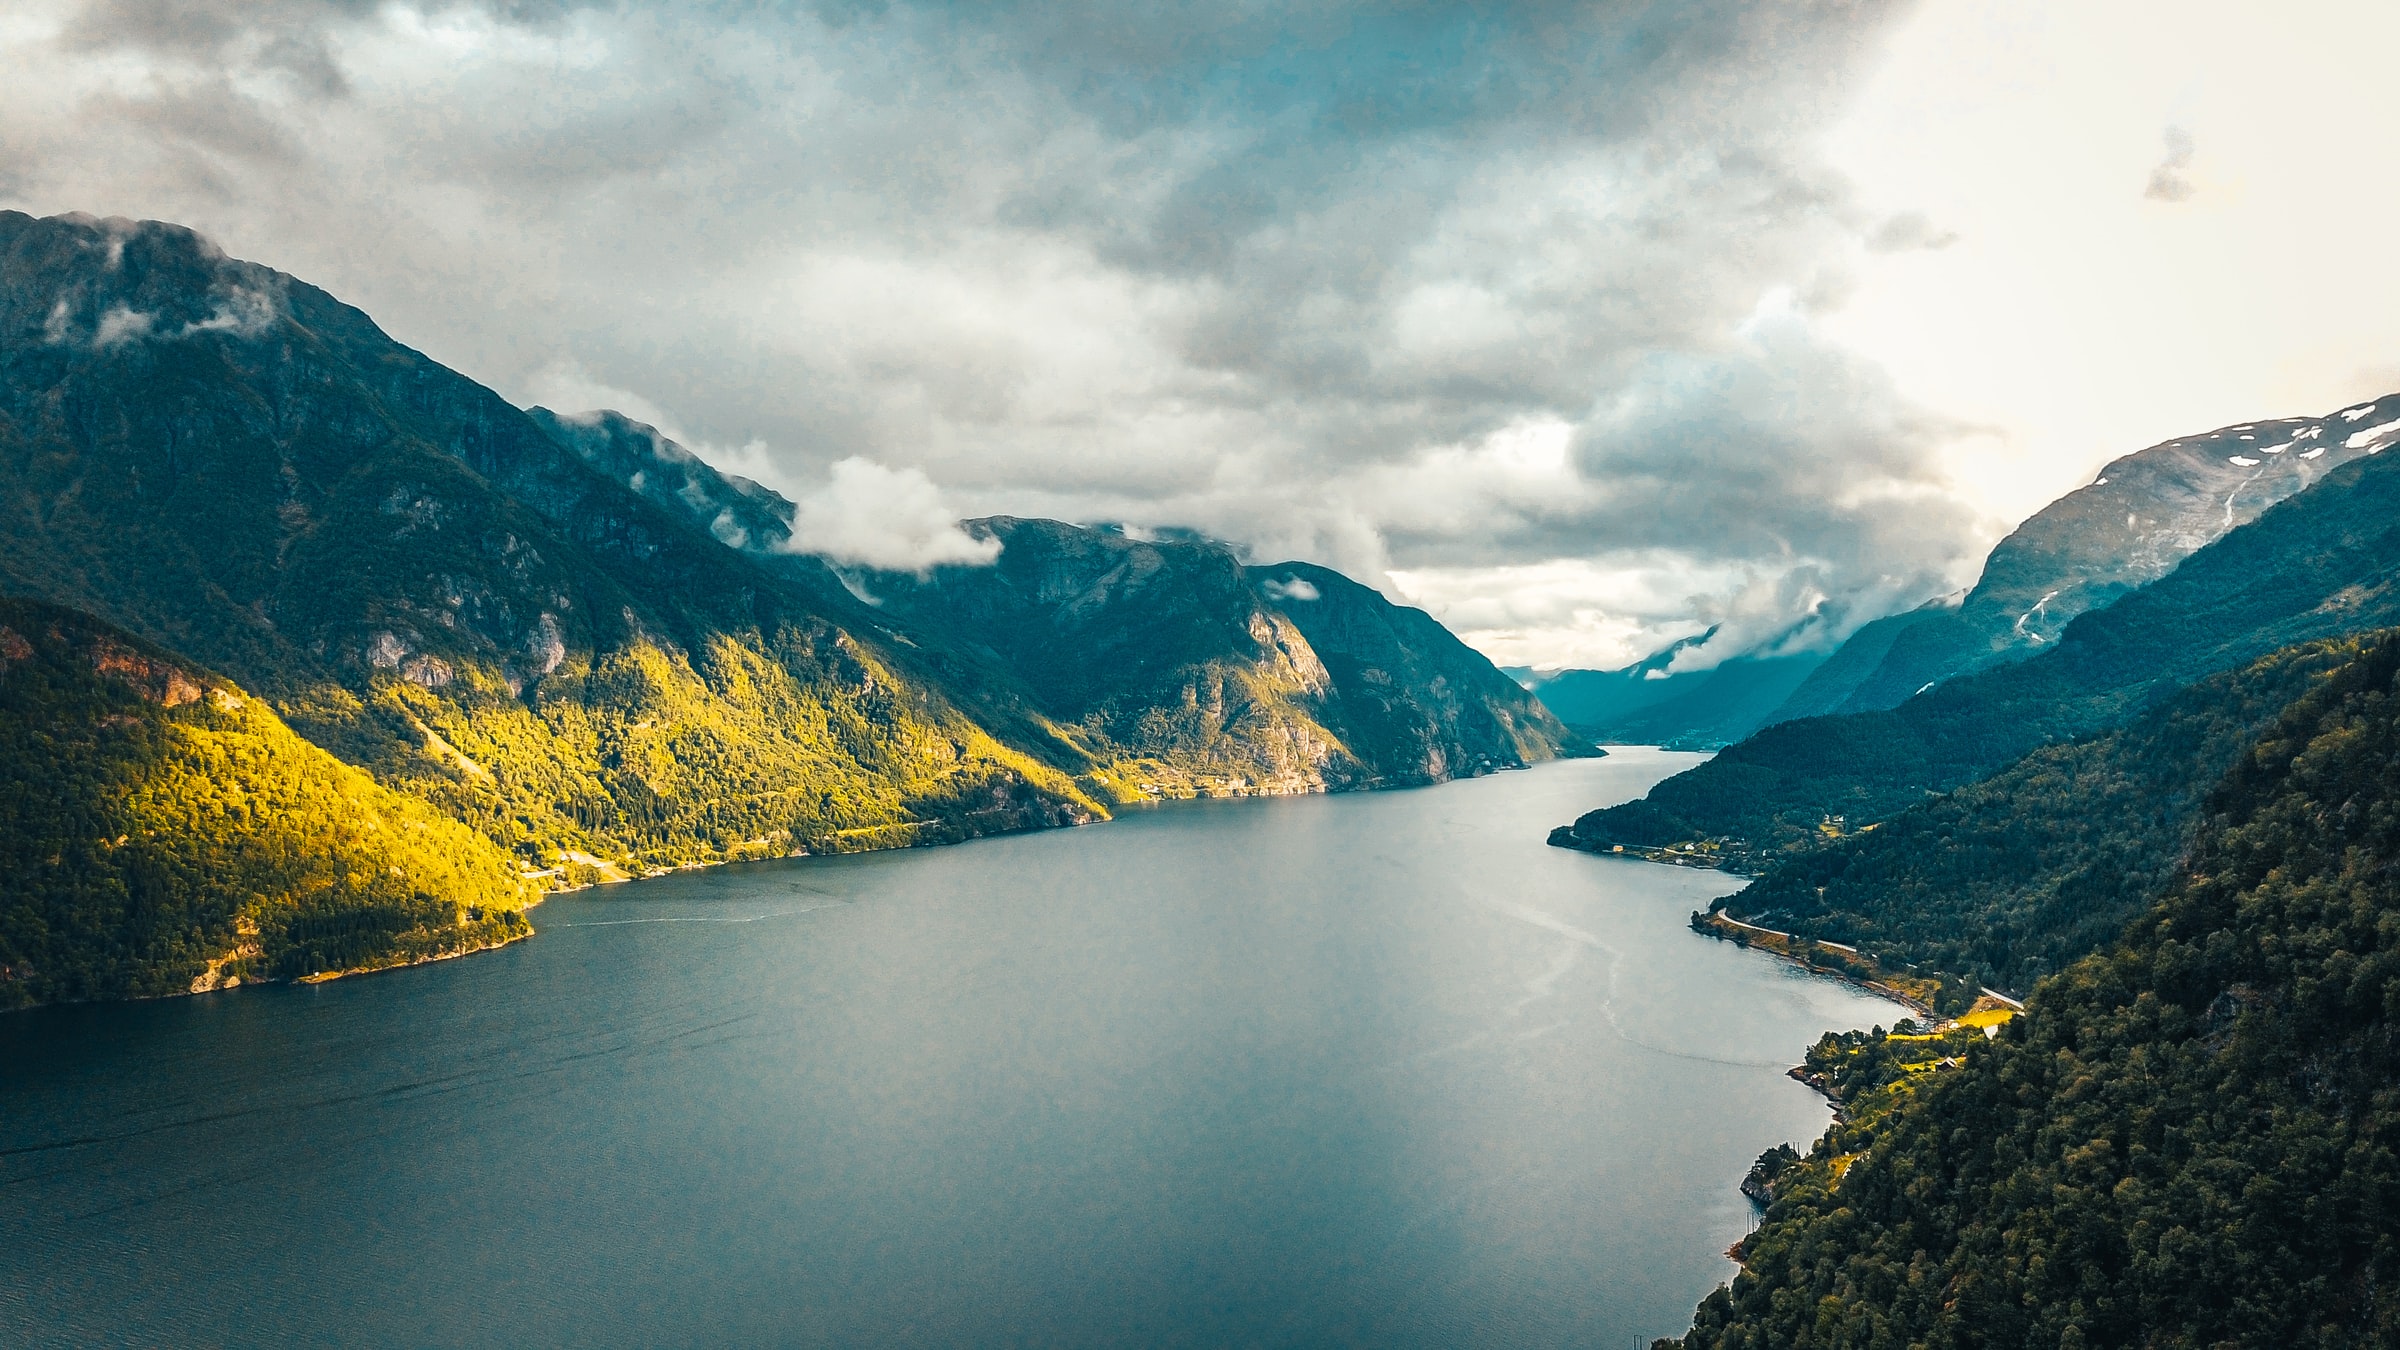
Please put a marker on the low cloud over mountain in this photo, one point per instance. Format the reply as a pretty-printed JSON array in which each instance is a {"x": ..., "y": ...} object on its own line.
[{"x": 1455, "y": 298}]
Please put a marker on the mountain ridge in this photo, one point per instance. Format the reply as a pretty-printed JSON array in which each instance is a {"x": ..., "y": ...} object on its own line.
[
  {"x": 1049, "y": 616},
  {"x": 2072, "y": 556},
  {"x": 489, "y": 613},
  {"x": 2322, "y": 563}
]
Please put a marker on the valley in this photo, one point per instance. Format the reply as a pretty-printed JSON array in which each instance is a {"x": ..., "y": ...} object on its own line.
[
  {"x": 1708, "y": 676},
  {"x": 318, "y": 658}
]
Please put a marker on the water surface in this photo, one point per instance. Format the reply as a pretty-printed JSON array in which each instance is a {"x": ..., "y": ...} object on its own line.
[{"x": 1376, "y": 1068}]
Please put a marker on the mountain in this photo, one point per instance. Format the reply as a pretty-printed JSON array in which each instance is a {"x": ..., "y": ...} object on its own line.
[
  {"x": 2142, "y": 516},
  {"x": 1181, "y": 670},
  {"x": 1161, "y": 659},
  {"x": 417, "y": 577},
  {"x": 1650, "y": 703},
  {"x": 1597, "y": 699},
  {"x": 2186, "y": 1141},
  {"x": 2319, "y": 564},
  {"x": 570, "y": 633},
  {"x": 737, "y": 512},
  {"x": 1839, "y": 675},
  {"x": 2018, "y": 875},
  {"x": 163, "y": 832},
  {"x": 1412, "y": 701},
  {"x": 2136, "y": 522},
  {"x": 1168, "y": 665}
]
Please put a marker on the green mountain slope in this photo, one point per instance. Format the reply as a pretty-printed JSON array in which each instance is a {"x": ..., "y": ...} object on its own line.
[
  {"x": 162, "y": 832},
  {"x": 2188, "y": 1141},
  {"x": 1172, "y": 667},
  {"x": 1179, "y": 671},
  {"x": 1160, "y": 656},
  {"x": 420, "y": 579},
  {"x": 2319, "y": 564},
  {"x": 2014, "y": 877}
]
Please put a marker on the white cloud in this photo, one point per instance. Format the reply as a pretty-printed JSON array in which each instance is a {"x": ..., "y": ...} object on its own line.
[
  {"x": 565, "y": 387},
  {"x": 119, "y": 326},
  {"x": 2073, "y": 316},
  {"x": 1464, "y": 301},
  {"x": 871, "y": 515}
]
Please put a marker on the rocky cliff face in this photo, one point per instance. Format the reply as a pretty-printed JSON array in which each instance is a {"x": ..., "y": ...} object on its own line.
[{"x": 1414, "y": 704}]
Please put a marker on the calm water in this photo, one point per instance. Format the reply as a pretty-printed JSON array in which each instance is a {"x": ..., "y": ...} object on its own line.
[{"x": 1375, "y": 1068}]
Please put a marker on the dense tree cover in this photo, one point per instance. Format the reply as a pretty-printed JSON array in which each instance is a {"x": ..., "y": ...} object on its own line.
[
  {"x": 2321, "y": 564},
  {"x": 2009, "y": 879},
  {"x": 2190, "y": 1140},
  {"x": 161, "y": 831}
]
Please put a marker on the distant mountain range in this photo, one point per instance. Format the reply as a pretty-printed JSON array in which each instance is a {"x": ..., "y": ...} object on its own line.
[
  {"x": 1178, "y": 669},
  {"x": 2137, "y": 521},
  {"x": 1650, "y": 703},
  {"x": 576, "y": 638}
]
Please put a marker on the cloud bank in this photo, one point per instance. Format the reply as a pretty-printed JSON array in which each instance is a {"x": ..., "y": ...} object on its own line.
[
  {"x": 1518, "y": 310},
  {"x": 871, "y": 515}
]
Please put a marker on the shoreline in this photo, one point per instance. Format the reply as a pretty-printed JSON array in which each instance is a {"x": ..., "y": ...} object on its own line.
[
  {"x": 329, "y": 976},
  {"x": 613, "y": 873},
  {"x": 1831, "y": 959}
]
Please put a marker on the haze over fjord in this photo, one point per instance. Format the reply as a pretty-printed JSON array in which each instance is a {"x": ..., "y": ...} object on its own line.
[{"x": 1584, "y": 327}]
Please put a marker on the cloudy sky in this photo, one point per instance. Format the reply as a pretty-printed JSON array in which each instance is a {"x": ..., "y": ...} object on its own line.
[{"x": 1584, "y": 326}]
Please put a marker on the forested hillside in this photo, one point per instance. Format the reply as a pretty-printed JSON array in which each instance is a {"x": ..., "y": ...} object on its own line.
[
  {"x": 422, "y": 581},
  {"x": 2190, "y": 1140},
  {"x": 2320, "y": 564},
  {"x": 1169, "y": 665},
  {"x": 162, "y": 832},
  {"x": 2013, "y": 877},
  {"x": 1855, "y": 662},
  {"x": 572, "y": 634}
]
